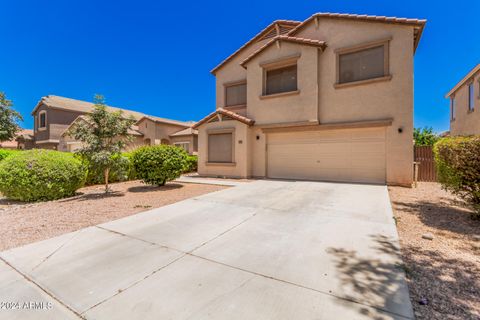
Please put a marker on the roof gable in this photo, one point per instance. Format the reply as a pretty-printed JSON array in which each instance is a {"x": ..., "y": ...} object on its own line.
[
  {"x": 417, "y": 24},
  {"x": 308, "y": 42},
  {"x": 465, "y": 79},
  {"x": 278, "y": 27},
  {"x": 224, "y": 113}
]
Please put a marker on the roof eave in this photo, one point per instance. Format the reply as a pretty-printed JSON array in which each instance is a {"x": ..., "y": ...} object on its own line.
[{"x": 256, "y": 37}]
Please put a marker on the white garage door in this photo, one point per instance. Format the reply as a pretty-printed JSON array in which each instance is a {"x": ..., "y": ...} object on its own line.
[{"x": 350, "y": 155}]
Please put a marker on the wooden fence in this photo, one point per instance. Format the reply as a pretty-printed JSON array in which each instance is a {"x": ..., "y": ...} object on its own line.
[{"x": 426, "y": 170}]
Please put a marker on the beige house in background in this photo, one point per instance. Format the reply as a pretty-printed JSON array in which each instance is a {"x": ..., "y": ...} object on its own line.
[
  {"x": 53, "y": 115},
  {"x": 464, "y": 101},
  {"x": 329, "y": 98}
]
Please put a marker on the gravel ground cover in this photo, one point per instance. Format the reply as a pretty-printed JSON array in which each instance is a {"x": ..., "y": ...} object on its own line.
[
  {"x": 441, "y": 250},
  {"x": 22, "y": 223}
]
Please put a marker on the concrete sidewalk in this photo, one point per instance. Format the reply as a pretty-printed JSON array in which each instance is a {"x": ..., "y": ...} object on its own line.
[{"x": 261, "y": 250}]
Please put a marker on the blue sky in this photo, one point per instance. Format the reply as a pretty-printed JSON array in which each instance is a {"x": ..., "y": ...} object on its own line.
[{"x": 155, "y": 56}]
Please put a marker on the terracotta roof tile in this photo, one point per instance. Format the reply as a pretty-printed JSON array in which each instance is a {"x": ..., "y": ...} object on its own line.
[
  {"x": 63, "y": 103},
  {"x": 418, "y": 23},
  {"x": 185, "y": 132},
  {"x": 228, "y": 113},
  {"x": 308, "y": 42}
]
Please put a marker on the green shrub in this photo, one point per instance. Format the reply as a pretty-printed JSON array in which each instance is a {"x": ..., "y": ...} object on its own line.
[
  {"x": 458, "y": 166},
  {"x": 4, "y": 153},
  {"x": 41, "y": 175},
  {"x": 158, "y": 164},
  {"x": 191, "y": 164},
  {"x": 120, "y": 171}
]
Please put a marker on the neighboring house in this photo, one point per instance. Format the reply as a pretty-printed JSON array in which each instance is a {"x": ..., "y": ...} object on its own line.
[
  {"x": 465, "y": 105},
  {"x": 329, "y": 98},
  {"x": 13, "y": 144},
  {"x": 53, "y": 115}
]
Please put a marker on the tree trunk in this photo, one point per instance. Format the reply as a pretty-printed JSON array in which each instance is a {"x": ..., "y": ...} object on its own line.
[{"x": 106, "y": 174}]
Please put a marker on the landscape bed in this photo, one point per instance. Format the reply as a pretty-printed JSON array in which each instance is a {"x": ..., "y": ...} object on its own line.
[
  {"x": 442, "y": 273},
  {"x": 22, "y": 223}
]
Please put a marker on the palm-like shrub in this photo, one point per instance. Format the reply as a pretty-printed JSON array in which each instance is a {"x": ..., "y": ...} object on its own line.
[
  {"x": 158, "y": 164},
  {"x": 41, "y": 175}
]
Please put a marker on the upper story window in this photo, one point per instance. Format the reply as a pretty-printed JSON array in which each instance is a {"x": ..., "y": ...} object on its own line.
[
  {"x": 471, "y": 97},
  {"x": 42, "y": 120},
  {"x": 363, "y": 62},
  {"x": 236, "y": 94},
  {"x": 281, "y": 80},
  {"x": 452, "y": 108}
]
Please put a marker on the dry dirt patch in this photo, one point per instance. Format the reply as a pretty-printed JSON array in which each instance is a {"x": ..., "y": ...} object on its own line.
[
  {"x": 22, "y": 223},
  {"x": 444, "y": 271}
]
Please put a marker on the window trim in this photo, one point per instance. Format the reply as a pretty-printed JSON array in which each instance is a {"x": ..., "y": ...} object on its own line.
[
  {"x": 178, "y": 144},
  {"x": 453, "y": 108},
  {"x": 39, "y": 120},
  {"x": 277, "y": 65},
  {"x": 231, "y": 84},
  {"x": 385, "y": 42},
  {"x": 221, "y": 131},
  {"x": 470, "y": 96}
]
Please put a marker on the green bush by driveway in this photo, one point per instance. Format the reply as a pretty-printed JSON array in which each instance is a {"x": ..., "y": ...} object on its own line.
[
  {"x": 458, "y": 166},
  {"x": 36, "y": 175},
  {"x": 4, "y": 153},
  {"x": 158, "y": 164},
  {"x": 121, "y": 170}
]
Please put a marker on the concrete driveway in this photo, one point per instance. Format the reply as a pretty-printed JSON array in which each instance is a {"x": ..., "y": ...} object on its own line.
[{"x": 261, "y": 250}]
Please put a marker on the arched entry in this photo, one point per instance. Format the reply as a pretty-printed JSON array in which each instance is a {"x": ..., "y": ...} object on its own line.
[{"x": 164, "y": 141}]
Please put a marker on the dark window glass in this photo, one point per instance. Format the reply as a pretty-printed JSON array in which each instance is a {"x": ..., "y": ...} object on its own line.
[
  {"x": 43, "y": 120},
  {"x": 220, "y": 147},
  {"x": 281, "y": 80},
  {"x": 362, "y": 65},
  {"x": 236, "y": 95}
]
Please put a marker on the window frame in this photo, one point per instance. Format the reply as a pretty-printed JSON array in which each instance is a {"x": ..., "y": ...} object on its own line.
[
  {"x": 231, "y": 84},
  {"x": 221, "y": 131},
  {"x": 40, "y": 113},
  {"x": 181, "y": 143},
  {"x": 361, "y": 47},
  {"x": 471, "y": 96},
  {"x": 453, "y": 107},
  {"x": 279, "y": 67}
]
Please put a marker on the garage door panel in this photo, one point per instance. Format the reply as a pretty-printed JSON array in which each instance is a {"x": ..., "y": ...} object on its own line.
[{"x": 335, "y": 155}]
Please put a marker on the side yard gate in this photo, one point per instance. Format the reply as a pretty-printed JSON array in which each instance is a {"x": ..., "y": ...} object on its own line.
[{"x": 426, "y": 169}]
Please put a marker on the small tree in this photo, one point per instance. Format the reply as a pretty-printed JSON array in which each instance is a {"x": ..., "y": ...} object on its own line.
[
  {"x": 103, "y": 135},
  {"x": 425, "y": 136},
  {"x": 8, "y": 119}
]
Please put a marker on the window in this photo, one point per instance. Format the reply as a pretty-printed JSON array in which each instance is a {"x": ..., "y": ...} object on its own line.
[
  {"x": 220, "y": 147},
  {"x": 471, "y": 95},
  {"x": 281, "y": 80},
  {"x": 236, "y": 94},
  {"x": 362, "y": 65},
  {"x": 183, "y": 145},
  {"x": 452, "y": 108},
  {"x": 42, "y": 120}
]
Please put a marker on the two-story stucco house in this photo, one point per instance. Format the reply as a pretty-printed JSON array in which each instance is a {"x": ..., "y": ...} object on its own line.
[
  {"x": 329, "y": 98},
  {"x": 53, "y": 115},
  {"x": 465, "y": 105}
]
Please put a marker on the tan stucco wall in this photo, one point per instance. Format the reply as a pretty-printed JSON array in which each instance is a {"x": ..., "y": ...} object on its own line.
[
  {"x": 390, "y": 99},
  {"x": 320, "y": 100},
  {"x": 291, "y": 108},
  {"x": 466, "y": 122},
  {"x": 241, "y": 150},
  {"x": 232, "y": 71}
]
